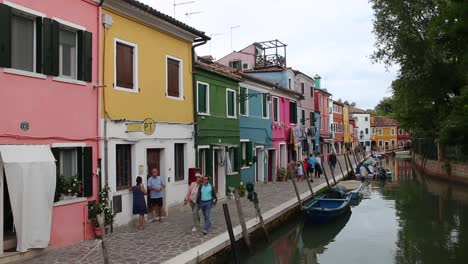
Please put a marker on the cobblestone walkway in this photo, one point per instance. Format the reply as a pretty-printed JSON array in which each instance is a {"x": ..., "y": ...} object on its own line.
[{"x": 162, "y": 241}]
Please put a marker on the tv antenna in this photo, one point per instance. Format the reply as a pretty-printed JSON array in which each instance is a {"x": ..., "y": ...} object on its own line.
[
  {"x": 181, "y": 3},
  {"x": 187, "y": 15}
]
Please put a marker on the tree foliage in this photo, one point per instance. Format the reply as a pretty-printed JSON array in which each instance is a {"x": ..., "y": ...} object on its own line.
[{"x": 428, "y": 40}]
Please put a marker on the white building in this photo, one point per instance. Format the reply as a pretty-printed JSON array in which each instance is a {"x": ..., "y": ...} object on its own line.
[{"x": 363, "y": 126}]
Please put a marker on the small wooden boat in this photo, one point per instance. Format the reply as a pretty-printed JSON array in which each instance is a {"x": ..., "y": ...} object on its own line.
[
  {"x": 352, "y": 187},
  {"x": 327, "y": 207},
  {"x": 388, "y": 173}
]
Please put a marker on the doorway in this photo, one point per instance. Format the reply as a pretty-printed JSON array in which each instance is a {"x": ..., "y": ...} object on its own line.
[
  {"x": 153, "y": 160},
  {"x": 260, "y": 164},
  {"x": 9, "y": 232},
  {"x": 283, "y": 155},
  {"x": 271, "y": 164},
  {"x": 215, "y": 170}
]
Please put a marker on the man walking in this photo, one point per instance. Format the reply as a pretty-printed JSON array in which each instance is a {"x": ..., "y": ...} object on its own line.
[
  {"x": 206, "y": 198},
  {"x": 333, "y": 160},
  {"x": 156, "y": 186},
  {"x": 191, "y": 197},
  {"x": 311, "y": 166}
]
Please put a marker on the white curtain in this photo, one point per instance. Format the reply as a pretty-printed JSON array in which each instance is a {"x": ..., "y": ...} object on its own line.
[{"x": 30, "y": 173}]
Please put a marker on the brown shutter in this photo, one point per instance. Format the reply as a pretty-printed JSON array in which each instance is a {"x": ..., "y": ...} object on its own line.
[
  {"x": 173, "y": 77},
  {"x": 124, "y": 66}
]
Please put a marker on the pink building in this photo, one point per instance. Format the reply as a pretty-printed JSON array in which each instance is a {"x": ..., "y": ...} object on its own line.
[
  {"x": 304, "y": 84},
  {"x": 49, "y": 130}
]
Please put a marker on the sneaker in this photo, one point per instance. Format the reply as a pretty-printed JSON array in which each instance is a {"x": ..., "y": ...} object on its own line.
[
  {"x": 154, "y": 221},
  {"x": 204, "y": 232},
  {"x": 194, "y": 229}
]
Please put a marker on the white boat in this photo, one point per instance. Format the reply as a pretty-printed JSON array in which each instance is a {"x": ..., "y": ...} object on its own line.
[
  {"x": 403, "y": 152},
  {"x": 352, "y": 187}
]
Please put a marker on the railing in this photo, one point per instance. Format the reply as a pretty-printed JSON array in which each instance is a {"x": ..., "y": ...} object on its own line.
[{"x": 270, "y": 61}]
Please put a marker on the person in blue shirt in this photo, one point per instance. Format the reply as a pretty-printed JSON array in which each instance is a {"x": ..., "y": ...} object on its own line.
[
  {"x": 156, "y": 186},
  {"x": 206, "y": 198},
  {"x": 311, "y": 166}
]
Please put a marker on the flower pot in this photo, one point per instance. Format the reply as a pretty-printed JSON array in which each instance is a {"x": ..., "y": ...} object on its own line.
[{"x": 97, "y": 231}]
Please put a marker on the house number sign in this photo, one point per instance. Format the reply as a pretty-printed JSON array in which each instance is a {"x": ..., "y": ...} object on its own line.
[{"x": 24, "y": 126}]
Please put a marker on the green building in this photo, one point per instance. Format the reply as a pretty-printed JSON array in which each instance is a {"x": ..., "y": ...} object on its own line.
[{"x": 217, "y": 130}]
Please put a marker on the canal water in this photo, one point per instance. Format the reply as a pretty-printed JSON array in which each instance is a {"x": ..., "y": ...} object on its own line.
[{"x": 410, "y": 219}]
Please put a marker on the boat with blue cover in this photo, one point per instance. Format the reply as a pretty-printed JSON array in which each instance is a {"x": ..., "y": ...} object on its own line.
[{"x": 327, "y": 207}]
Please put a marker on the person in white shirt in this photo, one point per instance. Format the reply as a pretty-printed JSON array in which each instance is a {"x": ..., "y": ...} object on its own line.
[{"x": 318, "y": 165}]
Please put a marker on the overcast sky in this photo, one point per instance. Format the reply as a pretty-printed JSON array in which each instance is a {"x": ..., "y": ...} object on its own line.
[{"x": 332, "y": 38}]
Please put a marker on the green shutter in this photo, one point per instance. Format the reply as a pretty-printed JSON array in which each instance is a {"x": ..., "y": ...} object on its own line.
[
  {"x": 39, "y": 44},
  {"x": 50, "y": 47},
  {"x": 56, "y": 154},
  {"x": 275, "y": 109},
  {"x": 80, "y": 58},
  {"x": 242, "y": 101},
  {"x": 5, "y": 36},
  {"x": 88, "y": 56},
  {"x": 236, "y": 160},
  {"x": 312, "y": 122},
  {"x": 55, "y": 48},
  {"x": 87, "y": 171},
  {"x": 202, "y": 98},
  {"x": 291, "y": 112},
  {"x": 303, "y": 117},
  {"x": 249, "y": 153},
  {"x": 230, "y": 103},
  {"x": 264, "y": 105}
]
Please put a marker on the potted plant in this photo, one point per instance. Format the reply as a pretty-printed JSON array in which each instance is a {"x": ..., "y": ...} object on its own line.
[
  {"x": 241, "y": 189},
  {"x": 94, "y": 210},
  {"x": 106, "y": 208},
  {"x": 282, "y": 173},
  {"x": 231, "y": 192}
]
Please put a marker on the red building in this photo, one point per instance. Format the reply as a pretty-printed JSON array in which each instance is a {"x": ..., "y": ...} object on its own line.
[
  {"x": 403, "y": 137},
  {"x": 322, "y": 106},
  {"x": 337, "y": 126}
]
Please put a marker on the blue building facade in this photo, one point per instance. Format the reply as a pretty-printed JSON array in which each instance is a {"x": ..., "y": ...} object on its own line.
[{"x": 255, "y": 131}]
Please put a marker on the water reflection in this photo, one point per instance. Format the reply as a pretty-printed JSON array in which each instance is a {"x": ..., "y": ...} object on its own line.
[{"x": 410, "y": 218}]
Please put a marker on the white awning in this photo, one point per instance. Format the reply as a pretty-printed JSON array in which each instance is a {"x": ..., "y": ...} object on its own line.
[{"x": 30, "y": 173}]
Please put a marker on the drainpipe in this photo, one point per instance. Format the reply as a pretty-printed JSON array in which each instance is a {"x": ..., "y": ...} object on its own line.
[{"x": 197, "y": 43}]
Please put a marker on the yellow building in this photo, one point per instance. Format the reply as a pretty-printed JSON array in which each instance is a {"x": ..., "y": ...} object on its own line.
[
  {"x": 383, "y": 133},
  {"x": 147, "y": 100},
  {"x": 346, "y": 131}
]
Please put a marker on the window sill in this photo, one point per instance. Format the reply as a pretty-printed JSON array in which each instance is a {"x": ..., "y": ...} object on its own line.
[
  {"x": 245, "y": 167},
  {"x": 204, "y": 114},
  {"x": 128, "y": 90},
  {"x": 232, "y": 173},
  {"x": 25, "y": 73},
  {"x": 180, "y": 98},
  {"x": 121, "y": 192},
  {"x": 67, "y": 80},
  {"x": 232, "y": 117},
  {"x": 71, "y": 201}
]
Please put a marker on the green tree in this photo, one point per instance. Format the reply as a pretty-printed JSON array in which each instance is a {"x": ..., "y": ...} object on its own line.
[
  {"x": 384, "y": 107},
  {"x": 428, "y": 40}
]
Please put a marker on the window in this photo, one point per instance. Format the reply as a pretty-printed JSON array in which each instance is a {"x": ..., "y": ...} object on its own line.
[
  {"x": 126, "y": 60},
  {"x": 236, "y": 64},
  {"x": 367, "y": 143},
  {"x": 366, "y": 118},
  {"x": 265, "y": 108},
  {"x": 302, "y": 88},
  {"x": 320, "y": 101},
  {"x": 123, "y": 165},
  {"x": 231, "y": 164},
  {"x": 246, "y": 153},
  {"x": 202, "y": 160},
  {"x": 312, "y": 119},
  {"x": 392, "y": 131},
  {"x": 373, "y": 131},
  {"x": 67, "y": 53},
  {"x": 311, "y": 91},
  {"x": 289, "y": 83},
  {"x": 230, "y": 103},
  {"x": 276, "y": 114},
  {"x": 293, "y": 112},
  {"x": 179, "y": 167},
  {"x": 393, "y": 143},
  {"x": 380, "y": 132},
  {"x": 303, "y": 117},
  {"x": 367, "y": 131},
  {"x": 74, "y": 162},
  {"x": 174, "y": 77},
  {"x": 380, "y": 143},
  {"x": 243, "y": 102},
  {"x": 23, "y": 44},
  {"x": 400, "y": 131},
  {"x": 203, "y": 98}
]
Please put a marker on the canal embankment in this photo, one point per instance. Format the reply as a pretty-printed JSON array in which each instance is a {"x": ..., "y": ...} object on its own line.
[
  {"x": 444, "y": 169},
  {"x": 219, "y": 246}
]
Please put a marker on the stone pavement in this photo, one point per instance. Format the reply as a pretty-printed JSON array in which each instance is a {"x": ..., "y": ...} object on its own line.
[{"x": 159, "y": 242}]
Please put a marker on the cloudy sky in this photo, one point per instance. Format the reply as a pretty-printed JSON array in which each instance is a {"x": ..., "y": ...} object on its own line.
[{"x": 332, "y": 38}]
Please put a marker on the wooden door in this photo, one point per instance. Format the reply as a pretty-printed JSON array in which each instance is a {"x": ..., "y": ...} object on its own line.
[
  {"x": 152, "y": 161},
  {"x": 270, "y": 165},
  {"x": 215, "y": 170}
]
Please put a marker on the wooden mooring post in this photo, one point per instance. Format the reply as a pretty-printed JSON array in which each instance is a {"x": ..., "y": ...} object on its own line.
[
  {"x": 326, "y": 178},
  {"x": 296, "y": 190},
  {"x": 308, "y": 183},
  {"x": 341, "y": 169},
  {"x": 227, "y": 217},
  {"x": 245, "y": 232}
]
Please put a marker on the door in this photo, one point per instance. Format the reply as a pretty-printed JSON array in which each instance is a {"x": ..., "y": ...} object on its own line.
[
  {"x": 260, "y": 165},
  {"x": 153, "y": 160},
  {"x": 9, "y": 234},
  {"x": 271, "y": 164},
  {"x": 215, "y": 170}
]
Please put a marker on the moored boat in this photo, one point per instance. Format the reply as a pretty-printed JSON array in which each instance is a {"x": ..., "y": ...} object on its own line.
[
  {"x": 403, "y": 152},
  {"x": 326, "y": 208},
  {"x": 352, "y": 187}
]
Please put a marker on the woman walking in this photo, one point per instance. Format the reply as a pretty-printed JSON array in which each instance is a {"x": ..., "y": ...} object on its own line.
[
  {"x": 191, "y": 197},
  {"x": 139, "y": 204},
  {"x": 206, "y": 198}
]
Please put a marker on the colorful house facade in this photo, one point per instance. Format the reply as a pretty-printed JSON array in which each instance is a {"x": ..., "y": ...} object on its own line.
[
  {"x": 362, "y": 123},
  {"x": 384, "y": 133},
  {"x": 304, "y": 84},
  {"x": 404, "y": 138},
  {"x": 258, "y": 157},
  {"x": 322, "y": 106},
  {"x": 49, "y": 77},
  {"x": 217, "y": 130},
  {"x": 147, "y": 101},
  {"x": 346, "y": 128},
  {"x": 337, "y": 126}
]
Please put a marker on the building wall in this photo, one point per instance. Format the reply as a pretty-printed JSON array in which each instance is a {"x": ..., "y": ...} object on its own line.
[
  {"x": 55, "y": 110},
  {"x": 385, "y": 137},
  {"x": 255, "y": 128},
  {"x": 282, "y": 129},
  {"x": 346, "y": 127},
  {"x": 246, "y": 55},
  {"x": 150, "y": 100},
  {"x": 361, "y": 125},
  {"x": 307, "y": 104}
]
